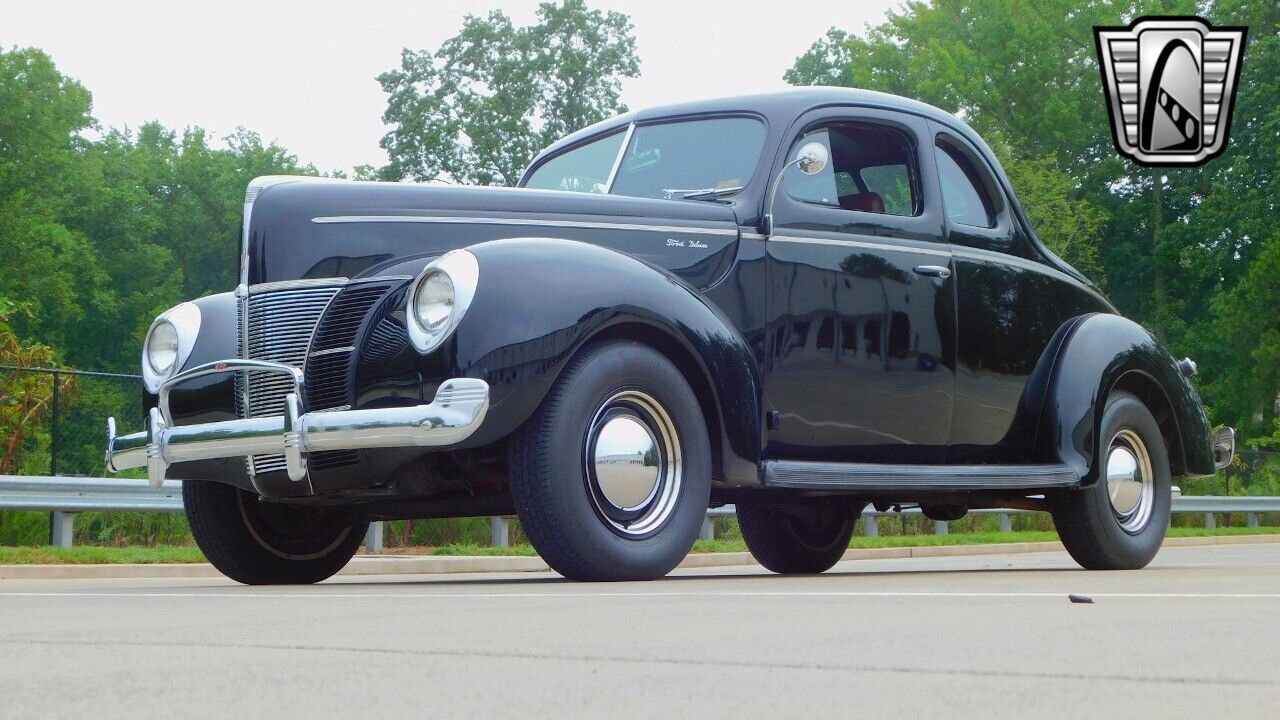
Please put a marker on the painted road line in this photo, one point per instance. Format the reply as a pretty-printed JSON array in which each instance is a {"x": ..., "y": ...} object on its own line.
[{"x": 319, "y": 594}]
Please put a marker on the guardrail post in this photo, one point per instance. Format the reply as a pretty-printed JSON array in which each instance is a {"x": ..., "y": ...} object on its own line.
[
  {"x": 500, "y": 531},
  {"x": 870, "y": 526},
  {"x": 1210, "y": 521},
  {"x": 939, "y": 527},
  {"x": 373, "y": 537},
  {"x": 708, "y": 531},
  {"x": 1251, "y": 519},
  {"x": 61, "y": 528},
  {"x": 1006, "y": 523}
]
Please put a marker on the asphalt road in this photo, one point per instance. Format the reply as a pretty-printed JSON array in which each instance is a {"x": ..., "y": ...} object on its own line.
[{"x": 1197, "y": 634}]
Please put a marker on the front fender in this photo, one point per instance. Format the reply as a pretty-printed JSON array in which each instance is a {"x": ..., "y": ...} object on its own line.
[
  {"x": 540, "y": 300},
  {"x": 211, "y": 398},
  {"x": 1099, "y": 353}
]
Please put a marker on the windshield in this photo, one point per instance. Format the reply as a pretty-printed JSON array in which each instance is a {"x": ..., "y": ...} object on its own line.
[
  {"x": 694, "y": 159},
  {"x": 695, "y": 156}
]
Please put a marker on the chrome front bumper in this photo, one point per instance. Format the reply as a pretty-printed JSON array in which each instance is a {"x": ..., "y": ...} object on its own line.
[{"x": 456, "y": 412}]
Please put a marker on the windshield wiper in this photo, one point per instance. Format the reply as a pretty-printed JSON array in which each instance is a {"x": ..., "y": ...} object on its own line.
[{"x": 700, "y": 193}]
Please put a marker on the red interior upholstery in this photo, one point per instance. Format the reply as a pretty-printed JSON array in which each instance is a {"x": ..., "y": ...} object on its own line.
[{"x": 866, "y": 202}]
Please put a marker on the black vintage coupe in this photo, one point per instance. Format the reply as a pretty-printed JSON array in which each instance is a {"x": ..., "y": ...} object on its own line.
[{"x": 800, "y": 303}]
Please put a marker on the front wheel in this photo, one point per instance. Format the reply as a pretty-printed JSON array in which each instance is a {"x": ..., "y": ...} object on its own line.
[
  {"x": 612, "y": 474},
  {"x": 256, "y": 542},
  {"x": 1119, "y": 523},
  {"x": 800, "y": 538}
]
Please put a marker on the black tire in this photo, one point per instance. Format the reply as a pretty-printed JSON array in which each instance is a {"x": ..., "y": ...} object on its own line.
[
  {"x": 1099, "y": 536},
  {"x": 807, "y": 540},
  {"x": 560, "y": 503},
  {"x": 266, "y": 543}
]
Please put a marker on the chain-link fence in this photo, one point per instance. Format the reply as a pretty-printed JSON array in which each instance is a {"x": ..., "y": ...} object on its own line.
[{"x": 54, "y": 420}]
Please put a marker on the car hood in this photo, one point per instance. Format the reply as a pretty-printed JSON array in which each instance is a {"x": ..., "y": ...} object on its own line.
[{"x": 311, "y": 229}]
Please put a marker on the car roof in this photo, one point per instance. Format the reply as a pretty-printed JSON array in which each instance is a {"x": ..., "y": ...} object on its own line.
[{"x": 780, "y": 108}]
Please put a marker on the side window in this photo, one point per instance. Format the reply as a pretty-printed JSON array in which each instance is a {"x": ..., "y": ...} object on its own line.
[
  {"x": 585, "y": 168},
  {"x": 872, "y": 169},
  {"x": 963, "y": 192}
]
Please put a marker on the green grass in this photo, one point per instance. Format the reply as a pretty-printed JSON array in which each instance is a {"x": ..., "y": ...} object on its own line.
[
  {"x": 1206, "y": 532},
  {"x": 475, "y": 549},
  {"x": 90, "y": 555}
]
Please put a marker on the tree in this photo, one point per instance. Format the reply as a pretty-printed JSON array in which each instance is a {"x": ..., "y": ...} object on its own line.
[
  {"x": 476, "y": 110},
  {"x": 100, "y": 235},
  {"x": 826, "y": 62}
]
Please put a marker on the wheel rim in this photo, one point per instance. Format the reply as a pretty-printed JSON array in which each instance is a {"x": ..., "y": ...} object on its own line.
[
  {"x": 291, "y": 533},
  {"x": 1130, "y": 481},
  {"x": 632, "y": 463}
]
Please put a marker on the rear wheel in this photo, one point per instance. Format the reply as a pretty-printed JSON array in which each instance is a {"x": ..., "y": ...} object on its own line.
[
  {"x": 612, "y": 474},
  {"x": 1119, "y": 523},
  {"x": 804, "y": 538},
  {"x": 266, "y": 543}
]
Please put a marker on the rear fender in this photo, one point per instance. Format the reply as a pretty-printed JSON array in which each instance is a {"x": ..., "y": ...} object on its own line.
[{"x": 1101, "y": 353}]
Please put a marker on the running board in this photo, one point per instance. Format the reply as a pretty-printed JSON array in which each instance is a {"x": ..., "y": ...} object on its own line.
[{"x": 833, "y": 476}]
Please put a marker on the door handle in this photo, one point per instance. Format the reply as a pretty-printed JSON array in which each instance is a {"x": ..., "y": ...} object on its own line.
[{"x": 938, "y": 271}]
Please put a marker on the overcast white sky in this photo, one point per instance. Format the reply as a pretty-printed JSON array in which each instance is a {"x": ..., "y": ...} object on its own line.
[{"x": 303, "y": 73}]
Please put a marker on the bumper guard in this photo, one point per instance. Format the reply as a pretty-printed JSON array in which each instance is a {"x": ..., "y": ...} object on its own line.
[
  {"x": 1224, "y": 447},
  {"x": 456, "y": 412}
]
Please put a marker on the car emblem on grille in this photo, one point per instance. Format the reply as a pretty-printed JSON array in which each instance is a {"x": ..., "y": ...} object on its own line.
[
  {"x": 1170, "y": 84},
  {"x": 220, "y": 366}
]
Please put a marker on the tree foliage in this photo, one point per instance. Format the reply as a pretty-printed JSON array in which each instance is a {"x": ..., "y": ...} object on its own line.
[
  {"x": 1190, "y": 252},
  {"x": 476, "y": 110},
  {"x": 101, "y": 235},
  {"x": 826, "y": 62}
]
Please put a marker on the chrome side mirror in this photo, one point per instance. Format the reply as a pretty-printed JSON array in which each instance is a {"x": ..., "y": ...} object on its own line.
[{"x": 812, "y": 159}]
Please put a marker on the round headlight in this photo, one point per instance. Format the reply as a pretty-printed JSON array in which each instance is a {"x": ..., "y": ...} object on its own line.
[
  {"x": 439, "y": 297},
  {"x": 162, "y": 347},
  {"x": 433, "y": 303},
  {"x": 169, "y": 343}
]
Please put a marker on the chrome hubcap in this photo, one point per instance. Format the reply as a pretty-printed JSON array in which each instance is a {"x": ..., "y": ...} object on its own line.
[
  {"x": 1130, "y": 481},
  {"x": 632, "y": 463}
]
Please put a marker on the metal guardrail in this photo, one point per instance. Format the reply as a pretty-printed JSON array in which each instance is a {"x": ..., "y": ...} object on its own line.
[{"x": 66, "y": 496}]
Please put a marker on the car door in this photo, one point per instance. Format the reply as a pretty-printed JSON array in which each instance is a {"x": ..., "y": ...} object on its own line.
[
  {"x": 1010, "y": 302},
  {"x": 861, "y": 337}
]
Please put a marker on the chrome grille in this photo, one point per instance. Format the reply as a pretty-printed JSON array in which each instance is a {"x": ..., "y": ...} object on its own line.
[
  {"x": 331, "y": 357},
  {"x": 278, "y": 327}
]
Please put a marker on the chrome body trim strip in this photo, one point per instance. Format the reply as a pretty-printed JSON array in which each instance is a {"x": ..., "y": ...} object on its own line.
[
  {"x": 297, "y": 284},
  {"x": 531, "y": 222},
  {"x": 824, "y": 240},
  {"x": 456, "y": 412},
  {"x": 331, "y": 351},
  {"x": 617, "y": 162},
  {"x": 890, "y": 477},
  {"x": 1015, "y": 261},
  {"x": 953, "y": 251}
]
